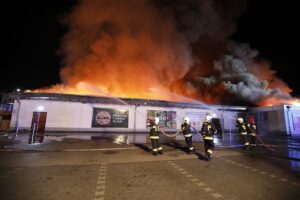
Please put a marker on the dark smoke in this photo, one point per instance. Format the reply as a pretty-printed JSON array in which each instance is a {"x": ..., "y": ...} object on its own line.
[{"x": 127, "y": 47}]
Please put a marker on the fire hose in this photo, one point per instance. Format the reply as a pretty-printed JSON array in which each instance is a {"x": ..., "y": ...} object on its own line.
[
  {"x": 262, "y": 142},
  {"x": 170, "y": 135},
  {"x": 259, "y": 139},
  {"x": 178, "y": 132},
  {"x": 197, "y": 131}
]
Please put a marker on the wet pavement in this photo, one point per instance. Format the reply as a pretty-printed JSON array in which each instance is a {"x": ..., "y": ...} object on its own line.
[
  {"x": 273, "y": 146},
  {"x": 116, "y": 167}
]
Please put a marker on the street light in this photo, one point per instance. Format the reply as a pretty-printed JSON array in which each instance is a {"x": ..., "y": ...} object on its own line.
[{"x": 40, "y": 108}]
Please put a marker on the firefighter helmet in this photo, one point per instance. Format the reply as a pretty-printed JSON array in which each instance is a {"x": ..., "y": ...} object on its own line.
[
  {"x": 208, "y": 117},
  {"x": 156, "y": 120},
  {"x": 240, "y": 120},
  {"x": 186, "y": 120},
  {"x": 251, "y": 119}
]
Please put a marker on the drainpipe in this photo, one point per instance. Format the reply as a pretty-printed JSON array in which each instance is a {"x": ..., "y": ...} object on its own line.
[
  {"x": 134, "y": 126},
  {"x": 288, "y": 119},
  {"x": 17, "y": 118},
  {"x": 222, "y": 126}
]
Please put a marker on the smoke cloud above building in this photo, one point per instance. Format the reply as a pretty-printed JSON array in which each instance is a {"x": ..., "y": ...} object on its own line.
[{"x": 160, "y": 49}]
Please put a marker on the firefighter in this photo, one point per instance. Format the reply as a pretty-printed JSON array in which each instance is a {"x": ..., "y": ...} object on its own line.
[
  {"x": 187, "y": 133},
  {"x": 251, "y": 130},
  {"x": 240, "y": 124},
  {"x": 207, "y": 131},
  {"x": 154, "y": 136}
]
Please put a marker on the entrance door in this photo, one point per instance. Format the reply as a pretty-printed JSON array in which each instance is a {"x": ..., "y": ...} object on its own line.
[
  {"x": 218, "y": 124},
  {"x": 38, "y": 125}
]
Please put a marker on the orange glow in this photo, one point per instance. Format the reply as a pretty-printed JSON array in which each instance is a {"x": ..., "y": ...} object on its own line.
[
  {"x": 83, "y": 88},
  {"x": 296, "y": 102},
  {"x": 110, "y": 50},
  {"x": 272, "y": 101},
  {"x": 181, "y": 94}
]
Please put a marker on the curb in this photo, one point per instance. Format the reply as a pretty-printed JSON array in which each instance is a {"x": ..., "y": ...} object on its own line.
[{"x": 65, "y": 150}]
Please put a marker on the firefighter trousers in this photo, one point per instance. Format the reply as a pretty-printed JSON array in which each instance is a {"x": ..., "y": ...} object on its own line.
[
  {"x": 252, "y": 141},
  {"x": 244, "y": 141},
  {"x": 209, "y": 146},
  {"x": 156, "y": 147},
  {"x": 189, "y": 143}
]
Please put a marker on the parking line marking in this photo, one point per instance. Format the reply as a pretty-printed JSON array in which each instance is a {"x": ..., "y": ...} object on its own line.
[
  {"x": 283, "y": 179},
  {"x": 189, "y": 176},
  {"x": 200, "y": 184},
  {"x": 208, "y": 189},
  {"x": 196, "y": 181},
  {"x": 100, "y": 187},
  {"x": 216, "y": 195}
]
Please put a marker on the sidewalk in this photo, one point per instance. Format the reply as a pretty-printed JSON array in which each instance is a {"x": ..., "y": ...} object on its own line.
[
  {"x": 83, "y": 142},
  {"x": 59, "y": 143}
]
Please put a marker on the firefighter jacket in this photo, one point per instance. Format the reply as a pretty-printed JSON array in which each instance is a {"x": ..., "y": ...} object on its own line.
[
  {"x": 154, "y": 131},
  {"x": 242, "y": 128},
  {"x": 251, "y": 129},
  {"x": 186, "y": 130},
  {"x": 208, "y": 130}
]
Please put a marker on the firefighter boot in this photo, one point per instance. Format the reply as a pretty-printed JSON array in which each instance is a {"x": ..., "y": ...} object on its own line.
[
  {"x": 208, "y": 155},
  {"x": 154, "y": 152},
  {"x": 190, "y": 150},
  {"x": 160, "y": 150}
]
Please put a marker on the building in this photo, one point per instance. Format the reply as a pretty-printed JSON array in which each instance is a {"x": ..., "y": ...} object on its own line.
[
  {"x": 93, "y": 115},
  {"x": 6, "y": 107},
  {"x": 282, "y": 119}
]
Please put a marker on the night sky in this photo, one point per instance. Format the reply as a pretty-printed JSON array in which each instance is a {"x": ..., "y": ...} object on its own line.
[{"x": 32, "y": 36}]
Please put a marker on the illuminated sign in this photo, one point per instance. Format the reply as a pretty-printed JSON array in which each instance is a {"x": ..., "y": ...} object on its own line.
[{"x": 108, "y": 117}]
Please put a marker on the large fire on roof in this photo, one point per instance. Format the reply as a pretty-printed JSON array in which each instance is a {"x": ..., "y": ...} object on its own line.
[{"x": 164, "y": 50}]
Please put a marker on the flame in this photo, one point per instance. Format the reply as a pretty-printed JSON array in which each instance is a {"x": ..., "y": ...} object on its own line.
[
  {"x": 274, "y": 101},
  {"x": 164, "y": 50},
  {"x": 296, "y": 102},
  {"x": 84, "y": 88}
]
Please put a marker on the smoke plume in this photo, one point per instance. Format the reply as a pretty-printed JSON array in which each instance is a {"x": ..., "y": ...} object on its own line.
[
  {"x": 237, "y": 77},
  {"x": 127, "y": 48}
]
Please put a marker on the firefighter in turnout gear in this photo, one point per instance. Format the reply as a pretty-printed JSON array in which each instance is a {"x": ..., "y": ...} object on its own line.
[
  {"x": 207, "y": 131},
  {"x": 240, "y": 124},
  {"x": 251, "y": 130},
  {"x": 154, "y": 136},
  {"x": 187, "y": 133}
]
